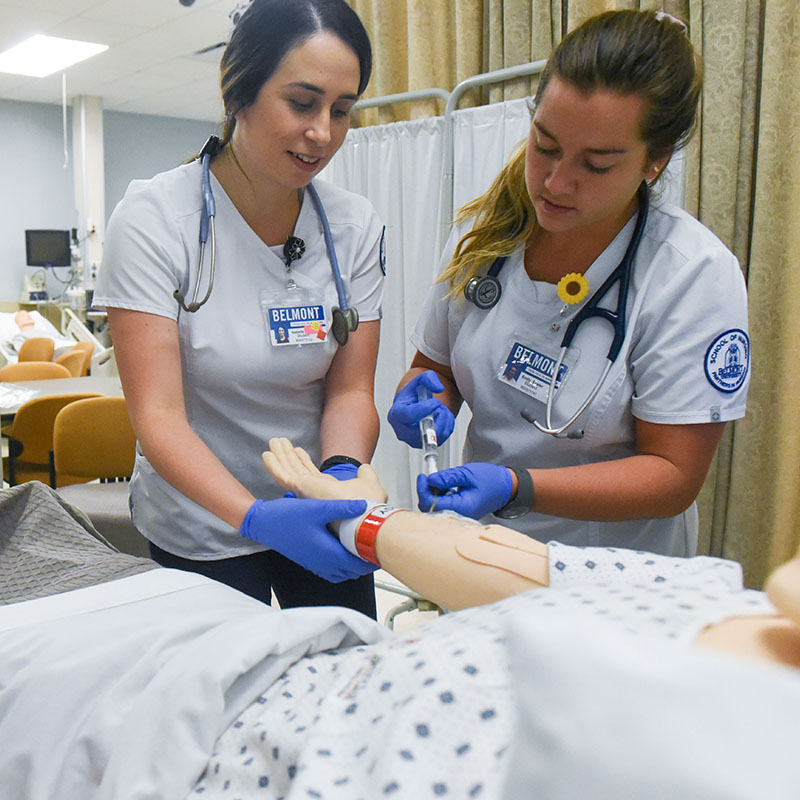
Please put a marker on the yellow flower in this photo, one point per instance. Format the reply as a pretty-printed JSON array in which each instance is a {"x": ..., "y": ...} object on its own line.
[{"x": 572, "y": 288}]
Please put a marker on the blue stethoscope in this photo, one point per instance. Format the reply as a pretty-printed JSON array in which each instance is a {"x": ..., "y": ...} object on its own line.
[
  {"x": 485, "y": 291},
  {"x": 345, "y": 317}
]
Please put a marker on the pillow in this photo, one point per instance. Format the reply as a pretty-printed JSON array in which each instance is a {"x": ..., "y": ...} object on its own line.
[{"x": 607, "y": 716}]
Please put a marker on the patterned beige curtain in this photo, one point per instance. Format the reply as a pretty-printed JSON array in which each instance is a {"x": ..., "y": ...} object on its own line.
[
  {"x": 762, "y": 526},
  {"x": 743, "y": 184}
]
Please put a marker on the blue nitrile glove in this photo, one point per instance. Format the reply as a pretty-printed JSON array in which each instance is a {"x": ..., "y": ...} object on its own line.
[
  {"x": 477, "y": 489},
  {"x": 295, "y": 527},
  {"x": 406, "y": 411},
  {"x": 342, "y": 472}
]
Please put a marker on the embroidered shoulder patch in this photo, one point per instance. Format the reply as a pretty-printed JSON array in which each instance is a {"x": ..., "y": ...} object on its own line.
[{"x": 728, "y": 360}]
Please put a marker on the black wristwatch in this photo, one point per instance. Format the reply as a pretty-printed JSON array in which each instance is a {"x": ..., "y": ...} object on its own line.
[
  {"x": 522, "y": 502},
  {"x": 332, "y": 461}
]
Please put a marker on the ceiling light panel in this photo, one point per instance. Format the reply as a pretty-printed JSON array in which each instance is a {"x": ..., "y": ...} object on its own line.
[{"x": 43, "y": 55}]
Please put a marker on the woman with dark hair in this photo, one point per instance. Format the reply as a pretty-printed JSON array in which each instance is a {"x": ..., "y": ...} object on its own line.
[
  {"x": 275, "y": 345},
  {"x": 623, "y": 436}
]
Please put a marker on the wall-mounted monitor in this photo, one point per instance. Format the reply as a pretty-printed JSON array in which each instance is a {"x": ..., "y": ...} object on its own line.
[{"x": 47, "y": 248}]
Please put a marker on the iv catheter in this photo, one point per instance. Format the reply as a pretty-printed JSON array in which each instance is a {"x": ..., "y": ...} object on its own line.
[{"x": 427, "y": 430}]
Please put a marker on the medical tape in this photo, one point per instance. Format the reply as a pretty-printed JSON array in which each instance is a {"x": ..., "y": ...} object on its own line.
[{"x": 506, "y": 550}]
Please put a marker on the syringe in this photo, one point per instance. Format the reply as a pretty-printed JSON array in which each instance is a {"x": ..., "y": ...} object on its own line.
[{"x": 427, "y": 430}]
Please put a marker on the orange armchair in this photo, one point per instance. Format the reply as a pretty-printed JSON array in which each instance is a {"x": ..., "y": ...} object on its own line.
[
  {"x": 33, "y": 371},
  {"x": 30, "y": 441},
  {"x": 37, "y": 348},
  {"x": 93, "y": 438}
]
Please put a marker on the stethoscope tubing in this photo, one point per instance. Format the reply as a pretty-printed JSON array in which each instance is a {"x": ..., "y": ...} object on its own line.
[
  {"x": 326, "y": 231},
  {"x": 348, "y": 316},
  {"x": 621, "y": 274}
]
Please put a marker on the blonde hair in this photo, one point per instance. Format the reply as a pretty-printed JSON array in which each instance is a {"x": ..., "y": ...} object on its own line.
[
  {"x": 641, "y": 53},
  {"x": 504, "y": 218}
]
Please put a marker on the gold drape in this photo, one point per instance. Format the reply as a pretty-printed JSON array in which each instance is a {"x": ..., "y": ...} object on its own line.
[
  {"x": 742, "y": 183},
  {"x": 763, "y": 520}
]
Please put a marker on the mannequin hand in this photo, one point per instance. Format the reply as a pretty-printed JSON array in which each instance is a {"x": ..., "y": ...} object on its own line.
[
  {"x": 479, "y": 489},
  {"x": 342, "y": 472},
  {"x": 406, "y": 411},
  {"x": 296, "y": 529},
  {"x": 293, "y": 469}
]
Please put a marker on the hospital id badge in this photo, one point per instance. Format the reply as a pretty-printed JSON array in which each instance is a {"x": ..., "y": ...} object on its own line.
[
  {"x": 294, "y": 317},
  {"x": 530, "y": 370}
]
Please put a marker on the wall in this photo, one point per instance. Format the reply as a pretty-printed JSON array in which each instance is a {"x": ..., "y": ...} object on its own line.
[
  {"x": 37, "y": 192},
  {"x": 139, "y": 146},
  {"x": 35, "y": 189}
]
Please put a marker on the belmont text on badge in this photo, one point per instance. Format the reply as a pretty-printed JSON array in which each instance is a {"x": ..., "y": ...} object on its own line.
[{"x": 530, "y": 371}]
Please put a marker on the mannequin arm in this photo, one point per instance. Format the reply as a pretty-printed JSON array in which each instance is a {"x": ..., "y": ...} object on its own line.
[{"x": 421, "y": 550}]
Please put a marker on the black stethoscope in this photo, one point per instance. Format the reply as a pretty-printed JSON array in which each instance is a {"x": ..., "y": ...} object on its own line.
[
  {"x": 484, "y": 292},
  {"x": 345, "y": 317}
]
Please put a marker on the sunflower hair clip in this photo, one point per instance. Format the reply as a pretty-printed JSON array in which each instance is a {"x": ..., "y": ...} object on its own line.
[{"x": 572, "y": 288}]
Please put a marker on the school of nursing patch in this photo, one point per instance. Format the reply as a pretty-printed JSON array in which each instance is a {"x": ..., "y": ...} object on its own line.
[
  {"x": 727, "y": 360},
  {"x": 530, "y": 371},
  {"x": 301, "y": 324},
  {"x": 382, "y": 255}
]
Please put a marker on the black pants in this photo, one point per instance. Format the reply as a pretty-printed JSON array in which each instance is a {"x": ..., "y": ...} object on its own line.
[{"x": 259, "y": 574}]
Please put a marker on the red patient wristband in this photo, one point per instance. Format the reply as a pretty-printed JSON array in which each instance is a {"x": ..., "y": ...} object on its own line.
[{"x": 367, "y": 531}]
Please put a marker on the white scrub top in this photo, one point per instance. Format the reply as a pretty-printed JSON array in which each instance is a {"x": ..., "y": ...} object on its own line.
[
  {"x": 240, "y": 388},
  {"x": 684, "y": 360}
]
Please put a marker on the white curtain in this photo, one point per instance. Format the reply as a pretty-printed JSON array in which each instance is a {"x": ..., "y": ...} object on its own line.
[{"x": 399, "y": 167}]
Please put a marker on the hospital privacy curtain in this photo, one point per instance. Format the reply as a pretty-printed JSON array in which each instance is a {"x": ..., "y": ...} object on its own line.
[{"x": 743, "y": 182}]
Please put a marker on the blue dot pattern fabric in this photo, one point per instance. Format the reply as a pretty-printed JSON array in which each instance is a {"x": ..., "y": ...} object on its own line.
[{"x": 430, "y": 713}]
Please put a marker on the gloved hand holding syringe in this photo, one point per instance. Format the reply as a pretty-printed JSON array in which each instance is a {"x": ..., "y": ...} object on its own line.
[{"x": 427, "y": 430}]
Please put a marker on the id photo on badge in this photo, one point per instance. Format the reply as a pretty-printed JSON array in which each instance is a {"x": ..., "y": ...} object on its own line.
[{"x": 294, "y": 318}]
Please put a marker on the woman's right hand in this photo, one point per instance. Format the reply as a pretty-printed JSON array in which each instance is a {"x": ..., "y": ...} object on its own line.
[
  {"x": 297, "y": 528},
  {"x": 407, "y": 411}
]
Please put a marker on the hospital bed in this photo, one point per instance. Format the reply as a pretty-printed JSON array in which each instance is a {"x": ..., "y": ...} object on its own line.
[
  {"x": 9, "y": 330},
  {"x": 122, "y": 679},
  {"x": 72, "y": 330}
]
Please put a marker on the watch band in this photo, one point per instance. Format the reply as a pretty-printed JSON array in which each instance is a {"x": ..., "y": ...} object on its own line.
[
  {"x": 523, "y": 501},
  {"x": 332, "y": 461}
]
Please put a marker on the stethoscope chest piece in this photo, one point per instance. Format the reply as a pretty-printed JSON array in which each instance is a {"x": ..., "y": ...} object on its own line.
[
  {"x": 484, "y": 291},
  {"x": 344, "y": 321}
]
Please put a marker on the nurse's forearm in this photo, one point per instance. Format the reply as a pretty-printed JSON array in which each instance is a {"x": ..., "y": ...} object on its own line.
[
  {"x": 661, "y": 480},
  {"x": 350, "y": 423},
  {"x": 182, "y": 459},
  {"x": 147, "y": 352},
  {"x": 638, "y": 487},
  {"x": 350, "y": 426}
]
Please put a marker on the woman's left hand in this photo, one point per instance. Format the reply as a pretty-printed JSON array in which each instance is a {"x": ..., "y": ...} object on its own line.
[
  {"x": 473, "y": 490},
  {"x": 342, "y": 472}
]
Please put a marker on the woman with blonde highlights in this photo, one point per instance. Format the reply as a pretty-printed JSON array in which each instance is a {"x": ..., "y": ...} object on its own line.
[{"x": 617, "y": 99}]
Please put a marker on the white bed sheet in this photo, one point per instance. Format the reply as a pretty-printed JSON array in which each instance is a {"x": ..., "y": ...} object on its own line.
[{"x": 84, "y": 676}]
